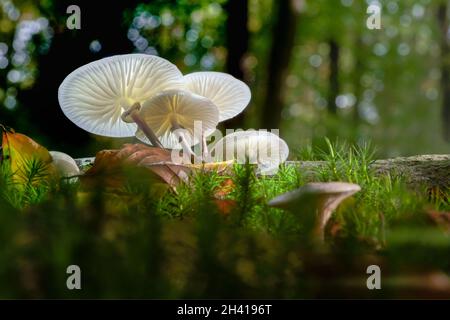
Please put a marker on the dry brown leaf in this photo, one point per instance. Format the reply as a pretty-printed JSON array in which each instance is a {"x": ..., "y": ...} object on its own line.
[{"x": 112, "y": 167}]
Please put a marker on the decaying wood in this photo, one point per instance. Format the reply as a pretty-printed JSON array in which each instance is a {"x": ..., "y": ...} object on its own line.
[{"x": 432, "y": 171}]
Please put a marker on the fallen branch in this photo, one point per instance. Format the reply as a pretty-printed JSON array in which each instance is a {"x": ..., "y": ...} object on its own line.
[{"x": 432, "y": 171}]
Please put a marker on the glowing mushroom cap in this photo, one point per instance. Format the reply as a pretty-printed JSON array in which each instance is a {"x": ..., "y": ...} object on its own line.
[
  {"x": 229, "y": 94},
  {"x": 95, "y": 95},
  {"x": 263, "y": 148},
  {"x": 174, "y": 109}
]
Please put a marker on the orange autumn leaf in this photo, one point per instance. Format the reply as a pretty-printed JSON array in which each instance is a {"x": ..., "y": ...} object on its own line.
[
  {"x": 440, "y": 219},
  {"x": 225, "y": 188},
  {"x": 224, "y": 206}
]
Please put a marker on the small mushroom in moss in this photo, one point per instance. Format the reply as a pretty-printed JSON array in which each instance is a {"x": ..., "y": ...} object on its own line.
[
  {"x": 316, "y": 200},
  {"x": 65, "y": 165}
]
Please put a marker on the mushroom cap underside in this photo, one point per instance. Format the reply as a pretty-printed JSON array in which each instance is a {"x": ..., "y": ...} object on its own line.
[
  {"x": 325, "y": 193},
  {"x": 176, "y": 111},
  {"x": 95, "y": 95}
]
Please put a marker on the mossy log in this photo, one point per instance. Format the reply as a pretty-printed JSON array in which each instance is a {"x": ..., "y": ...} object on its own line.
[{"x": 432, "y": 171}]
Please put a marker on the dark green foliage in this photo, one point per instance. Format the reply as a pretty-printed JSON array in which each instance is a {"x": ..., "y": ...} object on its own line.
[{"x": 31, "y": 186}]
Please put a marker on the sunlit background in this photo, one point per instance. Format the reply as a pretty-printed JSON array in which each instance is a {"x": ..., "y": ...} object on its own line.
[{"x": 314, "y": 68}]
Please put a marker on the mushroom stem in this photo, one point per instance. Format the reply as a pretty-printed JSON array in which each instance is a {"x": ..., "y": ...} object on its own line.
[
  {"x": 186, "y": 146},
  {"x": 318, "y": 201},
  {"x": 324, "y": 214},
  {"x": 133, "y": 113},
  {"x": 205, "y": 151}
]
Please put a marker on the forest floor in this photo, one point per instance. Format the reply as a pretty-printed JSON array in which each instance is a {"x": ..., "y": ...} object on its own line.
[{"x": 218, "y": 237}]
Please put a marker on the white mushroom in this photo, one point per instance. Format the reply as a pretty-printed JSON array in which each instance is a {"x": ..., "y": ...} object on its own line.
[
  {"x": 65, "y": 164},
  {"x": 172, "y": 115},
  {"x": 104, "y": 96},
  {"x": 318, "y": 200},
  {"x": 229, "y": 94},
  {"x": 263, "y": 148}
]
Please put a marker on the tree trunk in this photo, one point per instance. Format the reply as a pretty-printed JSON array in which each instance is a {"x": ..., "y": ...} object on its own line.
[
  {"x": 69, "y": 50},
  {"x": 237, "y": 44},
  {"x": 445, "y": 69},
  {"x": 280, "y": 54},
  {"x": 333, "y": 89},
  {"x": 357, "y": 74}
]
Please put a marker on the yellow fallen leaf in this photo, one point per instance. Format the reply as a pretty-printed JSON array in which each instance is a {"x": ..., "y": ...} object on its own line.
[{"x": 28, "y": 161}]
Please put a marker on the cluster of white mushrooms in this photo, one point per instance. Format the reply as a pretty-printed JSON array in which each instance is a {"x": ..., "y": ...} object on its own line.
[{"x": 148, "y": 97}]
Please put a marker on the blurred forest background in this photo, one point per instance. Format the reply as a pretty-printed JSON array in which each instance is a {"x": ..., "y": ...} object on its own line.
[{"x": 314, "y": 67}]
